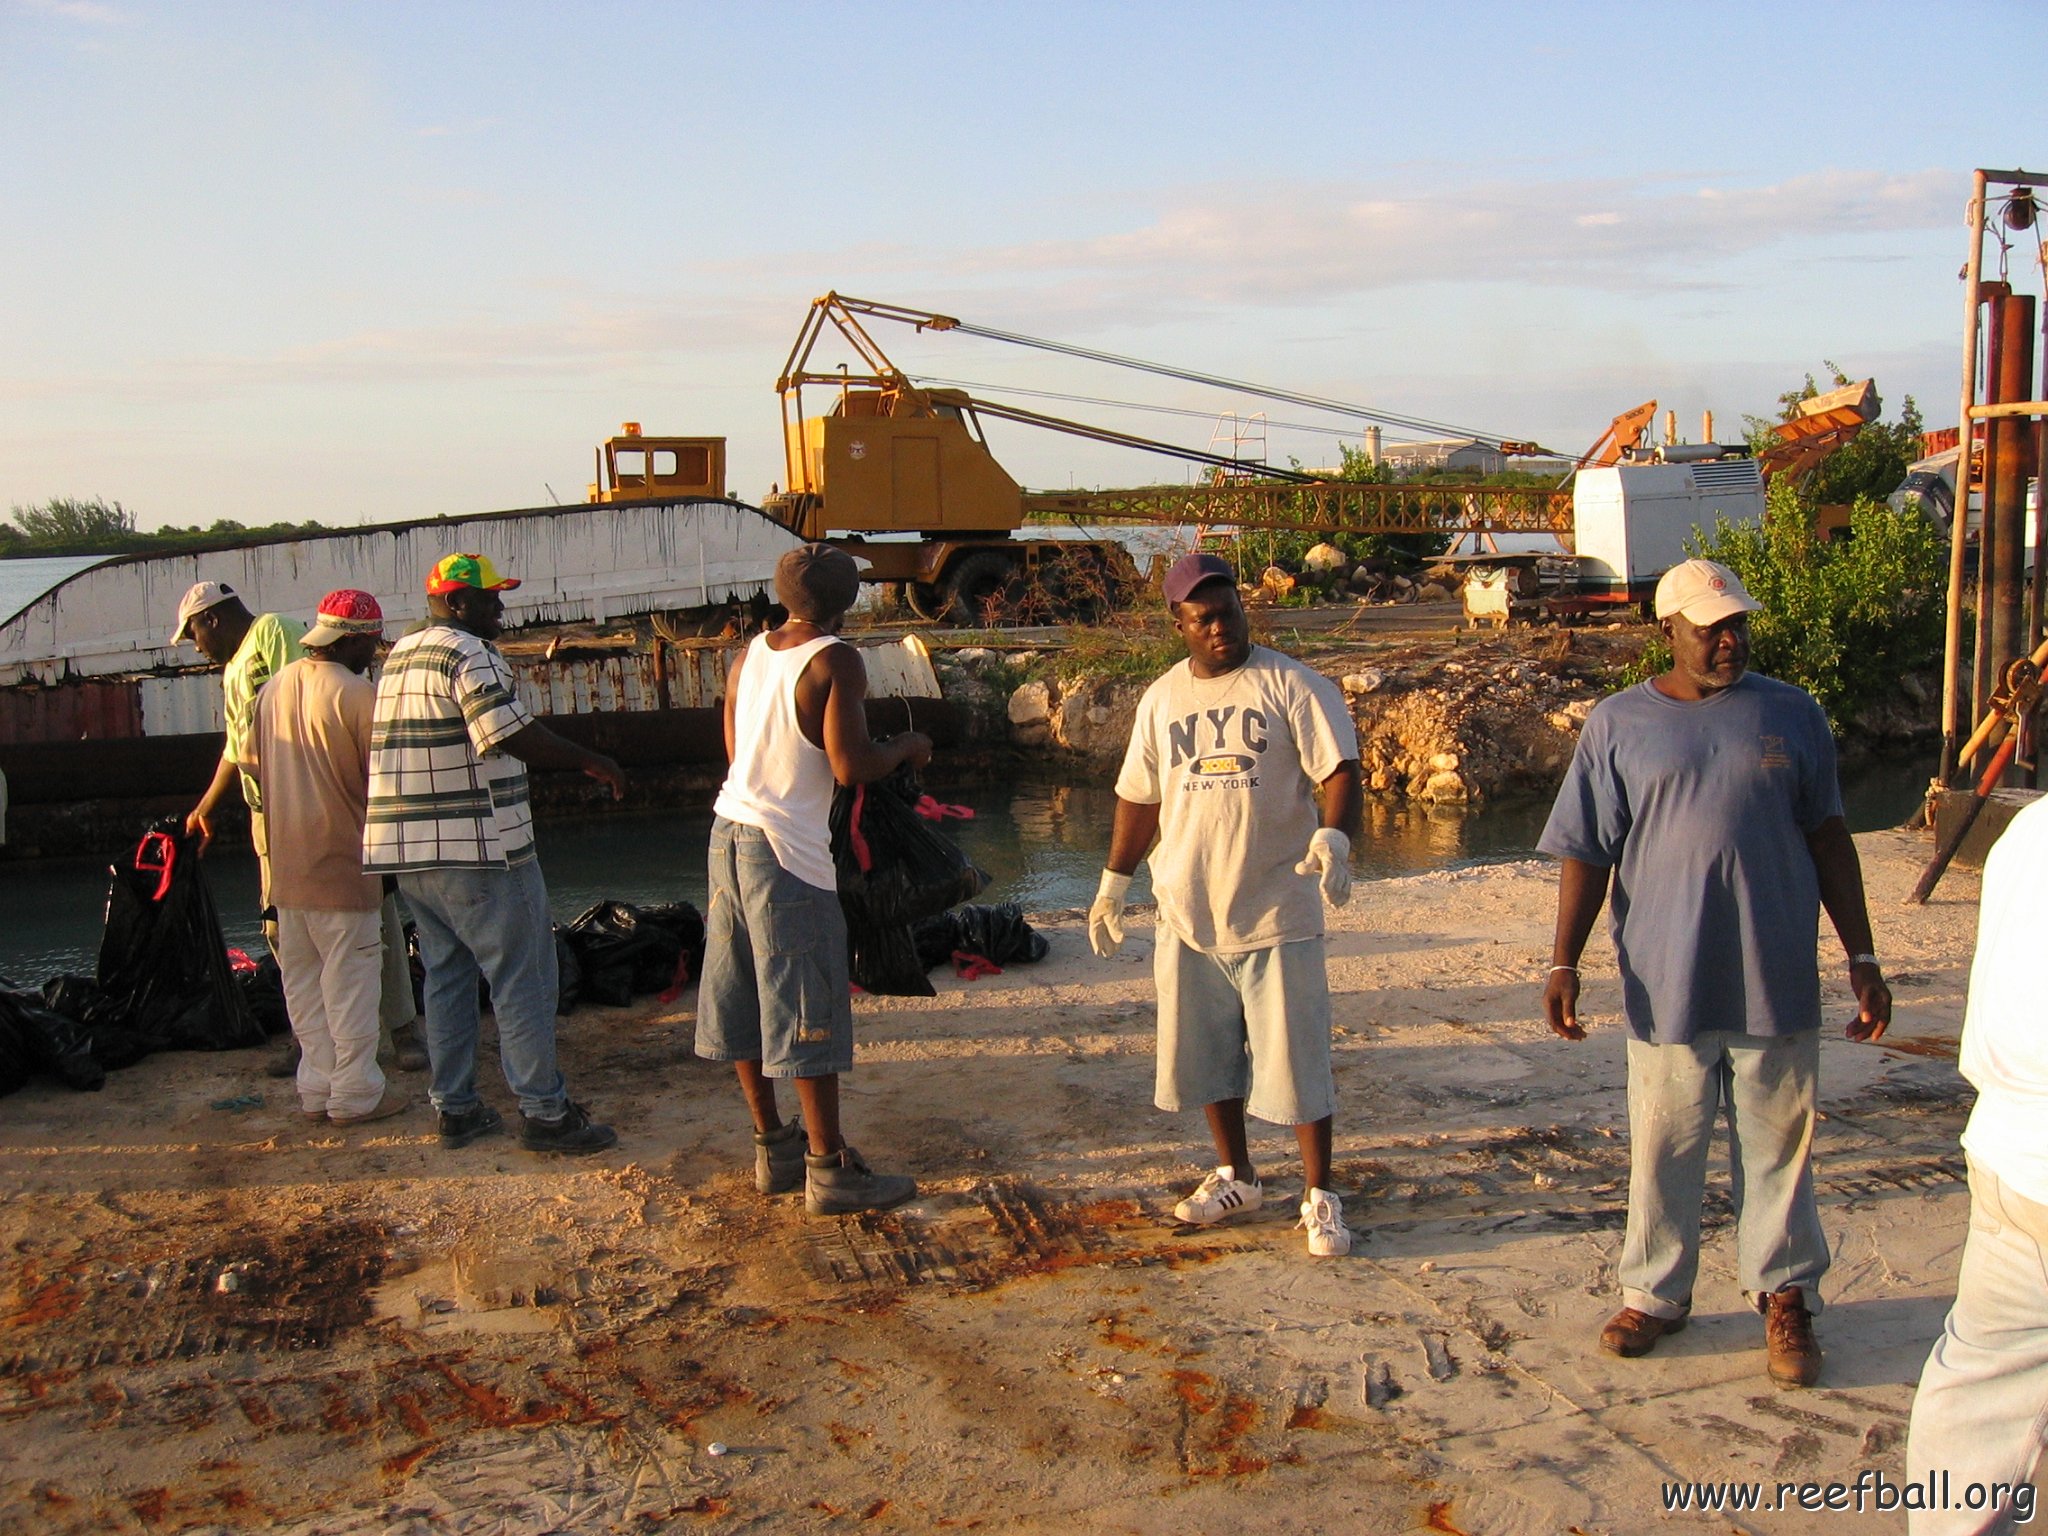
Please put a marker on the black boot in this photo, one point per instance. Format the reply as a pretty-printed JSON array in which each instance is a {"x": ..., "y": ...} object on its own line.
[
  {"x": 779, "y": 1159},
  {"x": 574, "y": 1133},
  {"x": 840, "y": 1182}
]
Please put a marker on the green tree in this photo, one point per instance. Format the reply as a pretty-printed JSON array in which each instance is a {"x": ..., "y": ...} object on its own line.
[
  {"x": 1844, "y": 619},
  {"x": 89, "y": 525},
  {"x": 70, "y": 526}
]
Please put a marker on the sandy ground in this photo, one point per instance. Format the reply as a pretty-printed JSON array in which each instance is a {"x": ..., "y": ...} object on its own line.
[{"x": 213, "y": 1319}]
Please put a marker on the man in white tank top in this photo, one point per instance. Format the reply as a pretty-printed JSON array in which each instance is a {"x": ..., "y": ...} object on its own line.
[{"x": 774, "y": 999}]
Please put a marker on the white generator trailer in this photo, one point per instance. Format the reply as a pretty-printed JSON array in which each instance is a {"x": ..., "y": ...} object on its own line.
[{"x": 1631, "y": 520}]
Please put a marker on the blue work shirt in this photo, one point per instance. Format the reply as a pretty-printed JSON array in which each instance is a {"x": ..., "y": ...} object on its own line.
[{"x": 1702, "y": 810}]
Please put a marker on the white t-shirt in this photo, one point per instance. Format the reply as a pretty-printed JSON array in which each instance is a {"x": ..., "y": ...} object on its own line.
[
  {"x": 2005, "y": 1047},
  {"x": 1232, "y": 763}
]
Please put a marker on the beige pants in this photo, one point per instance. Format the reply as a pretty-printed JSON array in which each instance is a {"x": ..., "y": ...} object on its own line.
[{"x": 332, "y": 964}]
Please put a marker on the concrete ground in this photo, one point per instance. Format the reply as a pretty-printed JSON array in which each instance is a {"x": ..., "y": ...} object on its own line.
[{"x": 215, "y": 1319}]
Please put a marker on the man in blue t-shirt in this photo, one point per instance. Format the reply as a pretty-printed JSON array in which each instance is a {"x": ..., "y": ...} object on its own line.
[{"x": 1706, "y": 797}]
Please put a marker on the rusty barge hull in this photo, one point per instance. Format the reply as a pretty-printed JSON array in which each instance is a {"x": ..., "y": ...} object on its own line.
[{"x": 143, "y": 737}]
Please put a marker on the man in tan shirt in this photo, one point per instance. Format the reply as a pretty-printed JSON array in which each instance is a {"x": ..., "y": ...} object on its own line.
[{"x": 308, "y": 748}]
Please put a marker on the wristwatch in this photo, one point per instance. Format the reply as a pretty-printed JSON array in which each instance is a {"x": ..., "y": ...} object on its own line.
[{"x": 1856, "y": 960}]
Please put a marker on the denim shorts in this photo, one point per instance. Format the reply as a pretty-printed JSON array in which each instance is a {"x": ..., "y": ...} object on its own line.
[
  {"x": 1252, "y": 1026},
  {"x": 774, "y": 988}
]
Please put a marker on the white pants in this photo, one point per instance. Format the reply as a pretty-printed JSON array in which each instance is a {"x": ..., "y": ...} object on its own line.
[
  {"x": 1981, "y": 1413},
  {"x": 333, "y": 964}
]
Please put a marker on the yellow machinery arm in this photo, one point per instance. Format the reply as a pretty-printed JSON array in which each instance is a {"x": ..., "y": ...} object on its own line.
[
  {"x": 1622, "y": 434},
  {"x": 1818, "y": 427}
]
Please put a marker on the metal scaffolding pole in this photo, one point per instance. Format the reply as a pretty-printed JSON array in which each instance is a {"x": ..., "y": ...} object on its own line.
[
  {"x": 2009, "y": 446},
  {"x": 1959, "y": 530}
]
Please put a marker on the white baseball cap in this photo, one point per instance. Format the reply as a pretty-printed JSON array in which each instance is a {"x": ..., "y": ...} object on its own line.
[
  {"x": 199, "y": 597},
  {"x": 1704, "y": 591}
]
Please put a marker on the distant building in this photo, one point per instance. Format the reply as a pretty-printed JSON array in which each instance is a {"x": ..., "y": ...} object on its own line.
[
  {"x": 1458, "y": 453},
  {"x": 1464, "y": 454}
]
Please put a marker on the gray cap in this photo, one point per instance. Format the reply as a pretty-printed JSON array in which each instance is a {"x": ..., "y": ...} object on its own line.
[{"x": 817, "y": 581}]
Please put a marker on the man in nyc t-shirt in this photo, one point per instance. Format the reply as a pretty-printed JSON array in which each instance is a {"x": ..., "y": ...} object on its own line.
[{"x": 1225, "y": 756}]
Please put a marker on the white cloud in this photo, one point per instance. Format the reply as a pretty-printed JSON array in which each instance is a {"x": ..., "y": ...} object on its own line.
[
  {"x": 474, "y": 126},
  {"x": 1240, "y": 245},
  {"x": 579, "y": 337},
  {"x": 89, "y": 12}
]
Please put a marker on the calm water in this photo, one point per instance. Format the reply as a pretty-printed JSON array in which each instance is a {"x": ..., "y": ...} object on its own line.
[{"x": 1042, "y": 842}]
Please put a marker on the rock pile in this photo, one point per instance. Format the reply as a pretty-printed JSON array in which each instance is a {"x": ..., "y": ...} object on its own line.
[{"x": 1448, "y": 725}]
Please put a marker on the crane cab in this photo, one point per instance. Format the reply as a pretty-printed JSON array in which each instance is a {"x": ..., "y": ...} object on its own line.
[
  {"x": 905, "y": 460},
  {"x": 634, "y": 467}
]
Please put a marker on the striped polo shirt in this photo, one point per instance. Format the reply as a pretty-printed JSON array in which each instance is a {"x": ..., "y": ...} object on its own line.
[{"x": 441, "y": 794}]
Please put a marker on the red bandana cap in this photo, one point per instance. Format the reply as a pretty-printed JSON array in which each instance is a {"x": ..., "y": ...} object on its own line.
[{"x": 344, "y": 613}]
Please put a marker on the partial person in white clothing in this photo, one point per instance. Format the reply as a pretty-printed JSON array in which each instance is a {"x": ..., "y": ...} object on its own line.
[
  {"x": 773, "y": 999},
  {"x": 1226, "y": 756},
  {"x": 1982, "y": 1406},
  {"x": 308, "y": 748}
]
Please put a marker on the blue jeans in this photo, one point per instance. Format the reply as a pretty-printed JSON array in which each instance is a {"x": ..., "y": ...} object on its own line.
[
  {"x": 494, "y": 923},
  {"x": 1766, "y": 1084},
  {"x": 1983, "y": 1400}
]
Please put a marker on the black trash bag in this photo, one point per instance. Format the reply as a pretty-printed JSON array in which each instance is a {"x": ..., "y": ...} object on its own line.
[
  {"x": 999, "y": 935},
  {"x": 17, "y": 1054},
  {"x": 894, "y": 863},
  {"x": 35, "y": 1038},
  {"x": 112, "y": 1043},
  {"x": 884, "y": 961},
  {"x": 416, "y": 968},
  {"x": 624, "y": 951},
  {"x": 163, "y": 966},
  {"x": 262, "y": 992},
  {"x": 73, "y": 996},
  {"x": 894, "y": 868},
  {"x": 687, "y": 924},
  {"x": 568, "y": 973}
]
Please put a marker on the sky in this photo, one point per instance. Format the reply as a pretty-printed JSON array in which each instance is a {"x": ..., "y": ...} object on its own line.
[{"x": 374, "y": 261}]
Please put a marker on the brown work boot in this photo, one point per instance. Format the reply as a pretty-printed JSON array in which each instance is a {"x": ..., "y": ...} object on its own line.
[
  {"x": 1630, "y": 1333},
  {"x": 1788, "y": 1338}
]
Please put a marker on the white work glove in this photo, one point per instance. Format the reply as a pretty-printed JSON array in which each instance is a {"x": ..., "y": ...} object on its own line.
[
  {"x": 1106, "y": 917},
  {"x": 1329, "y": 859}
]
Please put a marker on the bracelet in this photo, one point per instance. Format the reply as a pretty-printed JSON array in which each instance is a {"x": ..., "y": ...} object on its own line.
[
  {"x": 1856, "y": 960},
  {"x": 1572, "y": 968}
]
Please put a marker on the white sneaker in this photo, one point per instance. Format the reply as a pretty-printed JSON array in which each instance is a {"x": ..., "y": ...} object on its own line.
[
  {"x": 1220, "y": 1194},
  {"x": 1322, "y": 1213}
]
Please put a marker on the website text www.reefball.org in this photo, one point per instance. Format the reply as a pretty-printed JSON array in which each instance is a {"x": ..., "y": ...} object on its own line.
[{"x": 1870, "y": 1491}]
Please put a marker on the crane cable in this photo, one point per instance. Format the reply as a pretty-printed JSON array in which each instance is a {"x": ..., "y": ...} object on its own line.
[
  {"x": 929, "y": 380},
  {"x": 1191, "y": 376}
]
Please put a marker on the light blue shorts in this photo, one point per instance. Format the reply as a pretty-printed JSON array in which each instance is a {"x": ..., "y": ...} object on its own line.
[
  {"x": 774, "y": 988},
  {"x": 1252, "y": 1026}
]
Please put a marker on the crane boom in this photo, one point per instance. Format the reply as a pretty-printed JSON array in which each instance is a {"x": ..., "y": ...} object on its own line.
[{"x": 845, "y": 310}]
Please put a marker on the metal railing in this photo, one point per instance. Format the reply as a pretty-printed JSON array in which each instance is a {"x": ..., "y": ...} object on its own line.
[{"x": 1326, "y": 507}]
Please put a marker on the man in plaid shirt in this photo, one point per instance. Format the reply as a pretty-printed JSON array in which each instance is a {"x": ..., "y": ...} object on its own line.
[{"x": 450, "y": 817}]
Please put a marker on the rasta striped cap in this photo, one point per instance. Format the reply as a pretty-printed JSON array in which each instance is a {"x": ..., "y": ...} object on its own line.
[{"x": 457, "y": 571}]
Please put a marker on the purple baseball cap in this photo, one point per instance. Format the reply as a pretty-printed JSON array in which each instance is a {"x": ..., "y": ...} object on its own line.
[{"x": 1192, "y": 570}]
